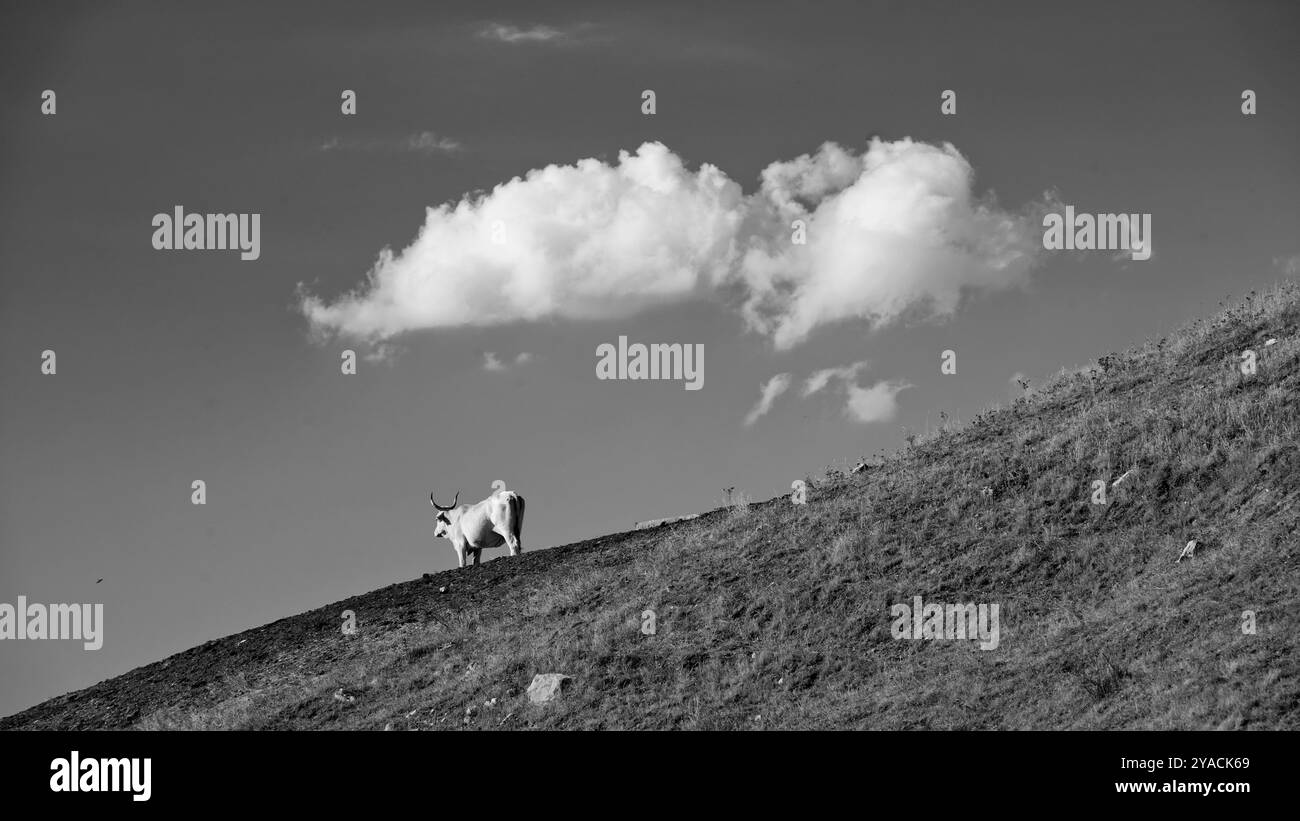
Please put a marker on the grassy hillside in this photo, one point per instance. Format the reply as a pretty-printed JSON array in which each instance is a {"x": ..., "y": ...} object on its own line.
[{"x": 776, "y": 616}]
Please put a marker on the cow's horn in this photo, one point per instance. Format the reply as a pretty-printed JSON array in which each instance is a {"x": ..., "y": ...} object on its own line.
[{"x": 448, "y": 507}]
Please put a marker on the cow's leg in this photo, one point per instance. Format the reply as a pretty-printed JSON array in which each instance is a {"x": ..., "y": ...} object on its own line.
[
  {"x": 517, "y": 526},
  {"x": 460, "y": 555},
  {"x": 477, "y": 555}
]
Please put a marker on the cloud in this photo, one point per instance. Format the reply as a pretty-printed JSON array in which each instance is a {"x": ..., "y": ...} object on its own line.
[
  {"x": 493, "y": 363},
  {"x": 584, "y": 241},
  {"x": 382, "y": 353},
  {"x": 822, "y": 378},
  {"x": 425, "y": 142},
  {"x": 896, "y": 228},
  {"x": 506, "y": 33},
  {"x": 874, "y": 404},
  {"x": 428, "y": 141},
  {"x": 878, "y": 403},
  {"x": 773, "y": 388}
]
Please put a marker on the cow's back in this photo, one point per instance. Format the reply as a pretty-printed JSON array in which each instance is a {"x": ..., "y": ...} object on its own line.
[{"x": 487, "y": 523}]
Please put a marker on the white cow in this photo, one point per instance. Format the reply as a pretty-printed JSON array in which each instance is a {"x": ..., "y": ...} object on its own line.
[{"x": 495, "y": 521}]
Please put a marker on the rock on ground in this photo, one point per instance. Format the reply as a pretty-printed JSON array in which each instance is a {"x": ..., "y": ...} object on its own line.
[{"x": 546, "y": 686}]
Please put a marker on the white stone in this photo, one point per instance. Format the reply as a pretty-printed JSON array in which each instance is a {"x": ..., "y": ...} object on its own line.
[{"x": 546, "y": 687}]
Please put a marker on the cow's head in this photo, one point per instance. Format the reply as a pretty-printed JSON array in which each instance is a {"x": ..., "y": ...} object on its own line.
[{"x": 442, "y": 524}]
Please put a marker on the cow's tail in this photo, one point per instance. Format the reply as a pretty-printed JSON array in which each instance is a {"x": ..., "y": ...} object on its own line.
[{"x": 517, "y": 508}]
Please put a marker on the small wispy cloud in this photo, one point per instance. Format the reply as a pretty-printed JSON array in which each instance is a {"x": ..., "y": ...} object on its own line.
[
  {"x": 773, "y": 388},
  {"x": 425, "y": 142},
  {"x": 381, "y": 353},
  {"x": 822, "y": 378},
  {"x": 431, "y": 142},
  {"x": 878, "y": 403},
  {"x": 506, "y": 33},
  {"x": 493, "y": 363}
]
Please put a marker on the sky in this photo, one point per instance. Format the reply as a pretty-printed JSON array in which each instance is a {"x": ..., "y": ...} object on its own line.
[{"x": 477, "y": 354}]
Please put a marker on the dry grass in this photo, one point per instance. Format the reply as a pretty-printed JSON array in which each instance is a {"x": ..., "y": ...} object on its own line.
[{"x": 773, "y": 615}]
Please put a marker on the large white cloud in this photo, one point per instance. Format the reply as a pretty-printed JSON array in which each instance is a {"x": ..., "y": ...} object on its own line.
[
  {"x": 891, "y": 229},
  {"x": 581, "y": 241},
  {"x": 895, "y": 228}
]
